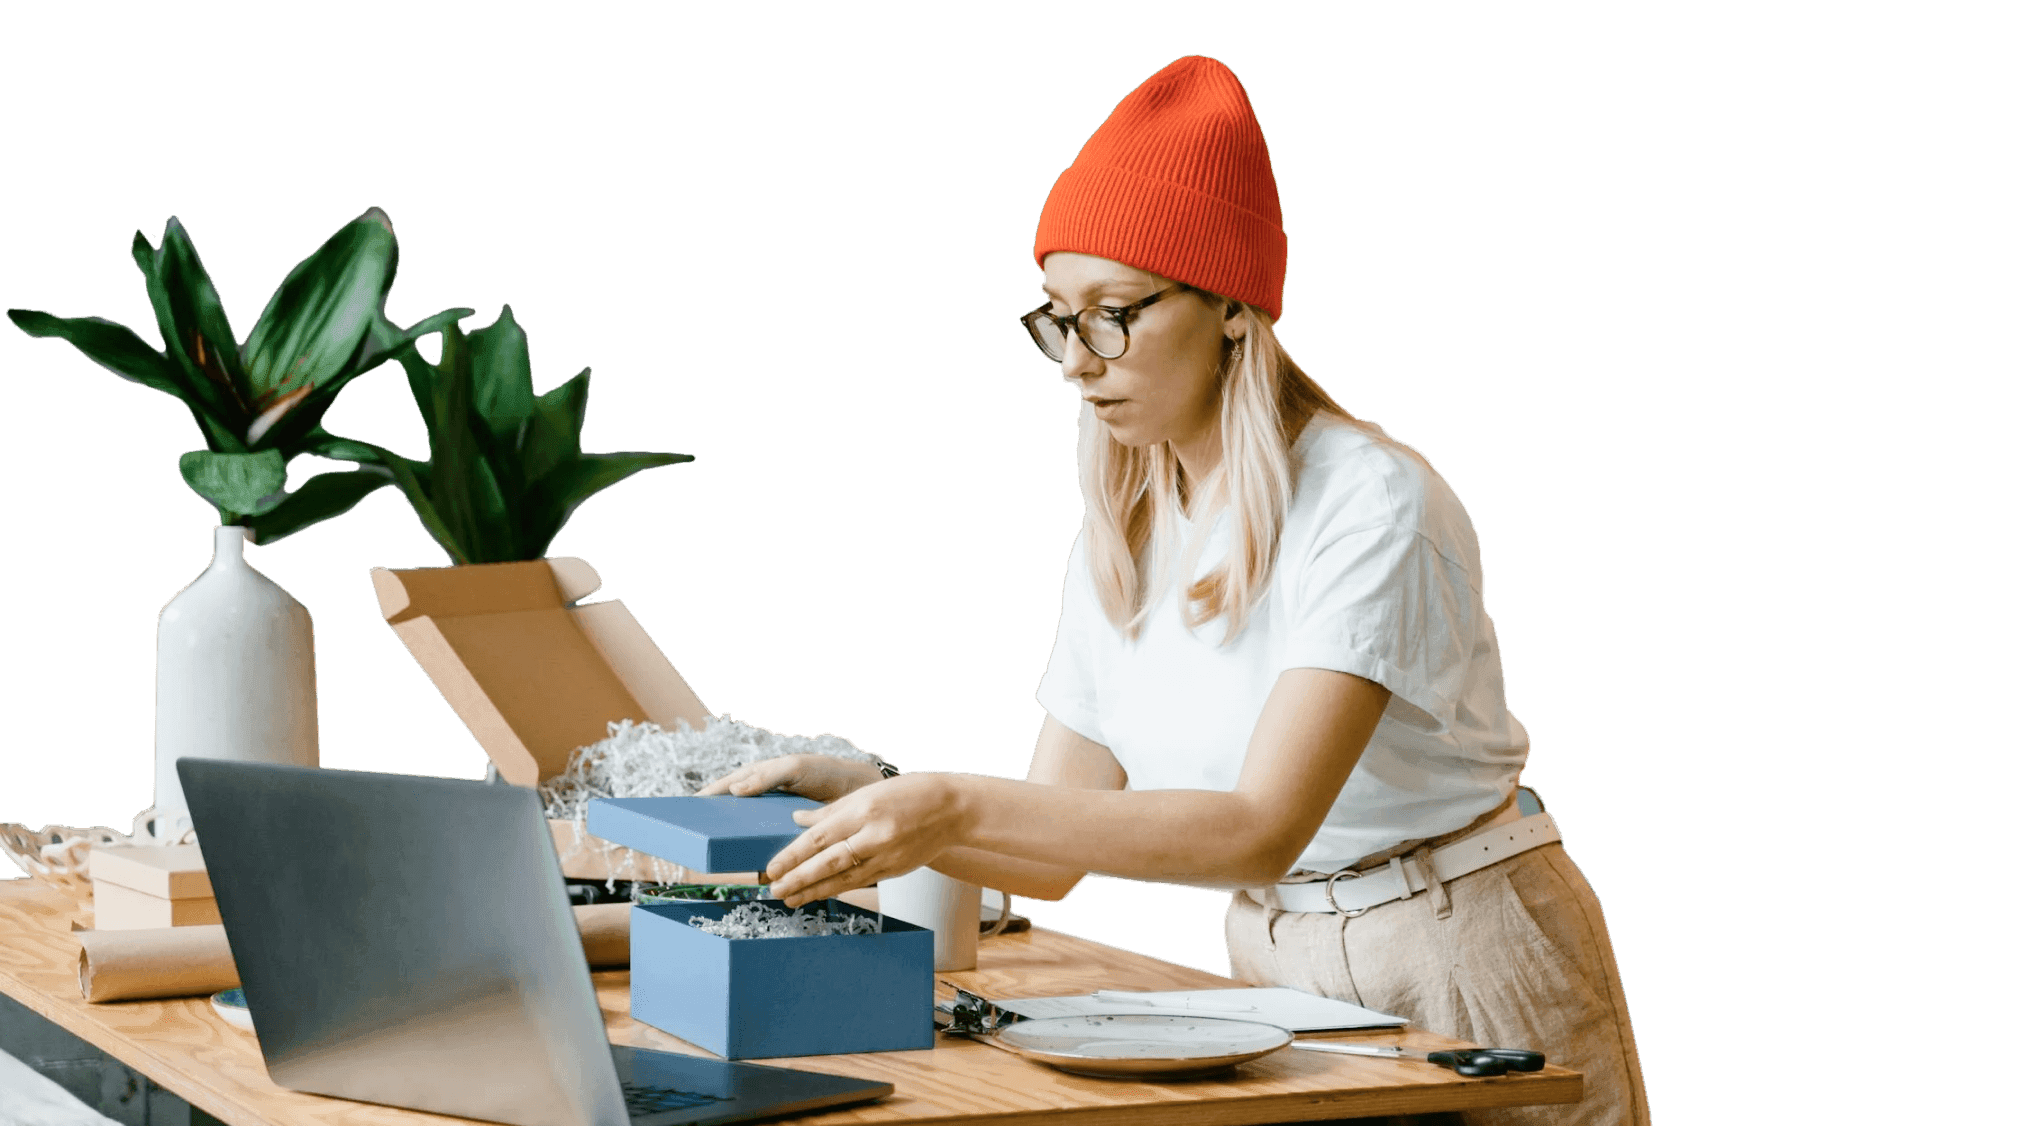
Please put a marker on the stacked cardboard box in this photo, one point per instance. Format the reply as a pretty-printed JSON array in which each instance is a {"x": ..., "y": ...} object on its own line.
[{"x": 136, "y": 887}]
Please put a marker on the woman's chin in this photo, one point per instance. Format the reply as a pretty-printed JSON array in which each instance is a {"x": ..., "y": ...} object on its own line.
[{"x": 1130, "y": 436}]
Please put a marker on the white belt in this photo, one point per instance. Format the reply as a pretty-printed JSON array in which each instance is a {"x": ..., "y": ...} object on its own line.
[{"x": 1349, "y": 893}]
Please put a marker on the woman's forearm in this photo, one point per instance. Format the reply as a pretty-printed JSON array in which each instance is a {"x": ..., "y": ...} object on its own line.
[
  {"x": 1074, "y": 817},
  {"x": 1010, "y": 874},
  {"x": 1201, "y": 837}
]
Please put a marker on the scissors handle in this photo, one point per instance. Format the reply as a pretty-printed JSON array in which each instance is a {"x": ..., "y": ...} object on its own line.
[
  {"x": 1488, "y": 1062},
  {"x": 1516, "y": 1059},
  {"x": 1469, "y": 1061}
]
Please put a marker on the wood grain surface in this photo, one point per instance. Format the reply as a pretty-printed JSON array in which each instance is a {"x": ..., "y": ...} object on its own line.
[{"x": 186, "y": 1048}]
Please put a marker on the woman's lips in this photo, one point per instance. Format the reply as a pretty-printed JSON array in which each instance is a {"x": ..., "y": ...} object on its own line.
[{"x": 1101, "y": 406}]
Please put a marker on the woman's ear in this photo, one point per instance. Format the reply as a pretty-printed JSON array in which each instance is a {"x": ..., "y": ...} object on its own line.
[{"x": 1235, "y": 320}]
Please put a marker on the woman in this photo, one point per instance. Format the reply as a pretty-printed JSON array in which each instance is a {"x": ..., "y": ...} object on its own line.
[{"x": 1315, "y": 718}]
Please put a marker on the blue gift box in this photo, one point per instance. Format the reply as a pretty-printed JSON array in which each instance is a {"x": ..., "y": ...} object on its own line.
[
  {"x": 714, "y": 834},
  {"x": 755, "y": 998}
]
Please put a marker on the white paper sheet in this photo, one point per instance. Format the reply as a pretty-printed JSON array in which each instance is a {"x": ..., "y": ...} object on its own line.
[{"x": 1292, "y": 1009}]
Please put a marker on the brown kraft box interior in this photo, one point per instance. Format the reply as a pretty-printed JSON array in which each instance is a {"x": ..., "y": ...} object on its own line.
[{"x": 536, "y": 676}]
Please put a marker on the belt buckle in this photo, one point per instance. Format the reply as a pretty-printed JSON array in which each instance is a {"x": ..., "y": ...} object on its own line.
[{"x": 1331, "y": 895}]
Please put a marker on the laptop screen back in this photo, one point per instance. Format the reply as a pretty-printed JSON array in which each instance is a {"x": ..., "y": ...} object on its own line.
[{"x": 405, "y": 940}]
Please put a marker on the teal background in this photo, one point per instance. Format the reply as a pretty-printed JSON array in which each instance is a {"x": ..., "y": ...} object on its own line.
[{"x": 1710, "y": 313}]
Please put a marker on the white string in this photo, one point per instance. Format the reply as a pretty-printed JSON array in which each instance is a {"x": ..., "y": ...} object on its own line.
[
  {"x": 638, "y": 760},
  {"x": 758, "y": 920},
  {"x": 647, "y": 760}
]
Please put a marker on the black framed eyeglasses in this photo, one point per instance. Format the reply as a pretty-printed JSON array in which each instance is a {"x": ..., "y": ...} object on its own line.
[{"x": 1103, "y": 328}]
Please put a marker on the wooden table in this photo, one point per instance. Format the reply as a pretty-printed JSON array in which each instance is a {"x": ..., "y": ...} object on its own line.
[{"x": 186, "y": 1048}]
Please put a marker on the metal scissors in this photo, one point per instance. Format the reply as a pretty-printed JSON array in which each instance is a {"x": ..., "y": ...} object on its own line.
[
  {"x": 1475, "y": 1062},
  {"x": 971, "y": 1015}
]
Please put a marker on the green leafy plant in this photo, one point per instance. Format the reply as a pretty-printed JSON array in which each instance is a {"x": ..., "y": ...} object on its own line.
[
  {"x": 700, "y": 893},
  {"x": 262, "y": 402},
  {"x": 505, "y": 469}
]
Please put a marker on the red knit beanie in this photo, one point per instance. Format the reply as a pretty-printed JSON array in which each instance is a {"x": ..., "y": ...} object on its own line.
[{"x": 1177, "y": 182}]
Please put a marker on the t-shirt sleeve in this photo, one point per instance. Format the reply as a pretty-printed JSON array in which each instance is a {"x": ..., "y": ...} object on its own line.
[
  {"x": 1068, "y": 690},
  {"x": 1381, "y": 602}
]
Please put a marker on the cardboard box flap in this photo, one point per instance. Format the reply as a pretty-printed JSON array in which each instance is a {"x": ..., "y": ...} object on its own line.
[
  {"x": 532, "y": 676},
  {"x": 714, "y": 834},
  {"x": 163, "y": 871}
]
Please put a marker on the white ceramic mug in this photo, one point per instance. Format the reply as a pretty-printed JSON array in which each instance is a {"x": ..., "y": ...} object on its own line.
[{"x": 950, "y": 908}]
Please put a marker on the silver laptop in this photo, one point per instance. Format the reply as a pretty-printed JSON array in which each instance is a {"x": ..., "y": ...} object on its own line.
[{"x": 407, "y": 941}]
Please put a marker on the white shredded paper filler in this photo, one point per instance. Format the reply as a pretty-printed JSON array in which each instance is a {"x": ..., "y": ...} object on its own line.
[
  {"x": 647, "y": 760},
  {"x": 758, "y": 920}
]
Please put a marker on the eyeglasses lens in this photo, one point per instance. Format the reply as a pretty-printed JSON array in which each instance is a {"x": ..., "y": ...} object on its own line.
[
  {"x": 1104, "y": 335},
  {"x": 1047, "y": 336},
  {"x": 1101, "y": 332}
]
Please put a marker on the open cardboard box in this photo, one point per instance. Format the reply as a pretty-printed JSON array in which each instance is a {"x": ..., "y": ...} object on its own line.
[{"x": 536, "y": 676}]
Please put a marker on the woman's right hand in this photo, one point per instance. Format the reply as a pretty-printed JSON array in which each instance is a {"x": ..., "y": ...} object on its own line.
[{"x": 820, "y": 777}]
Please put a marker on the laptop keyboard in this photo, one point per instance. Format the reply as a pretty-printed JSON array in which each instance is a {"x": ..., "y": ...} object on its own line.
[{"x": 650, "y": 1100}]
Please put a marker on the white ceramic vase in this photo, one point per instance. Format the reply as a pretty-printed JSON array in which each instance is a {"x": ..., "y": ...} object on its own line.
[{"x": 235, "y": 677}]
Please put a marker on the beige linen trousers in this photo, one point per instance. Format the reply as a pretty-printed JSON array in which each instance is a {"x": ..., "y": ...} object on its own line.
[{"x": 1511, "y": 956}]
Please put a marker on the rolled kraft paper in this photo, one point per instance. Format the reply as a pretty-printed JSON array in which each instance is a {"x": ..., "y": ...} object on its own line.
[{"x": 133, "y": 965}]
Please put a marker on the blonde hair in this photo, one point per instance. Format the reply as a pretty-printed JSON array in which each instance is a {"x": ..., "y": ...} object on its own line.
[{"x": 1265, "y": 401}]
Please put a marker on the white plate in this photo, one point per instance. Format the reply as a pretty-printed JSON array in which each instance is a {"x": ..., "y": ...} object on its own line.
[
  {"x": 230, "y": 1005},
  {"x": 1140, "y": 1045}
]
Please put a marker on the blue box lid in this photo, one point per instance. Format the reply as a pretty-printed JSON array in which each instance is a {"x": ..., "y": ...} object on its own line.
[{"x": 714, "y": 834}]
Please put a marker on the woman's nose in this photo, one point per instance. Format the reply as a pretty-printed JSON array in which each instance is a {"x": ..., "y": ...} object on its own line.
[{"x": 1079, "y": 361}]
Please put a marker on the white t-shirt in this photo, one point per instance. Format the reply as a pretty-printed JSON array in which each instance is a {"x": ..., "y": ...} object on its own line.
[{"x": 1378, "y": 576}]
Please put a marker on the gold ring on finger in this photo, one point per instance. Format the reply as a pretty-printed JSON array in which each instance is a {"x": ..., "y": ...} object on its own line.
[{"x": 851, "y": 852}]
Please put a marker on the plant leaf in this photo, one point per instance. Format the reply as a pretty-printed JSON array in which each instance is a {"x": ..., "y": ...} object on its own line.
[
  {"x": 420, "y": 374},
  {"x": 112, "y": 346},
  {"x": 503, "y": 390},
  {"x": 246, "y": 484},
  {"x": 218, "y": 401},
  {"x": 414, "y": 479},
  {"x": 149, "y": 259},
  {"x": 297, "y": 420},
  {"x": 552, "y": 436},
  {"x": 215, "y": 400},
  {"x": 266, "y": 431},
  {"x": 323, "y": 443},
  {"x": 503, "y": 394},
  {"x": 422, "y": 385},
  {"x": 556, "y": 496},
  {"x": 494, "y": 539},
  {"x": 119, "y": 350},
  {"x": 197, "y": 316},
  {"x": 219, "y": 436},
  {"x": 314, "y": 324},
  {"x": 467, "y": 497},
  {"x": 453, "y": 447},
  {"x": 297, "y": 423},
  {"x": 385, "y": 340},
  {"x": 320, "y": 498},
  {"x": 282, "y": 425}
]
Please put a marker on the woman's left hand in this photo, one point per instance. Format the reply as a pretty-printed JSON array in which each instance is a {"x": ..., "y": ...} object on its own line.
[{"x": 868, "y": 835}]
